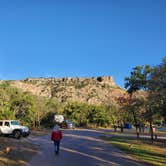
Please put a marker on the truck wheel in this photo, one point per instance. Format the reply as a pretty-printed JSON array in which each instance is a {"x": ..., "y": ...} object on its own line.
[{"x": 17, "y": 134}]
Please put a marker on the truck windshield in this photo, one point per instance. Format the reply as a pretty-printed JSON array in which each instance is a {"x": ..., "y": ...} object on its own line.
[{"x": 15, "y": 123}]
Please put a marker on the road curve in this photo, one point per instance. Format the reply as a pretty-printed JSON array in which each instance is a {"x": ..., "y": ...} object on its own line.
[{"x": 80, "y": 148}]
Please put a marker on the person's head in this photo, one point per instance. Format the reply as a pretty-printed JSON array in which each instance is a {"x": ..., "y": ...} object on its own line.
[{"x": 56, "y": 128}]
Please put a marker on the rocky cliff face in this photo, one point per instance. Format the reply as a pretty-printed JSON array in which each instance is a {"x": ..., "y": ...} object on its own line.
[{"x": 95, "y": 90}]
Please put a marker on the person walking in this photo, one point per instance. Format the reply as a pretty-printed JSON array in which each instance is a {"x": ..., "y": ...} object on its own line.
[{"x": 56, "y": 136}]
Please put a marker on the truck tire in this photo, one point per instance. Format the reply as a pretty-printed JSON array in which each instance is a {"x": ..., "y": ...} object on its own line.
[{"x": 17, "y": 134}]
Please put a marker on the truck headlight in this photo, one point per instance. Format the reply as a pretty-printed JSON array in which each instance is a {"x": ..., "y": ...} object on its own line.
[{"x": 25, "y": 130}]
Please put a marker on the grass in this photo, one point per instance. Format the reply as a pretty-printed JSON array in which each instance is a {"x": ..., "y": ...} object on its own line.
[
  {"x": 142, "y": 149},
  {"x": 133, "y": 132}
]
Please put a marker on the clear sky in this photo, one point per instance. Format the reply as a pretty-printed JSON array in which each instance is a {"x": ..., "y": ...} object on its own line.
[{"x": 80, "y": 38}]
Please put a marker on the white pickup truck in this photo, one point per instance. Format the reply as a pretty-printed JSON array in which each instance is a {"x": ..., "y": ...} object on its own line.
[{"x": 12, "y": 127}]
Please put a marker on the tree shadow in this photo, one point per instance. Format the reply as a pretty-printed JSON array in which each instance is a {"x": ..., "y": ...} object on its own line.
[
  {"x": 89, "y": 145},
  {"x": 21, "y": 151}
]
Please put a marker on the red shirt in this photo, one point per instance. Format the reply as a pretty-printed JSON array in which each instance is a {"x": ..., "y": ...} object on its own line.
[{"x": 56, "y": 136}]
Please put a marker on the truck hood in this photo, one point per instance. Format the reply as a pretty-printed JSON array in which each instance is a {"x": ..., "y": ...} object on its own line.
[{"x": 21, "y": 127}]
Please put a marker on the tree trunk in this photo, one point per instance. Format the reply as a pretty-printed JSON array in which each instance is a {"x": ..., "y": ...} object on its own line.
[
  {"x": 140, "y": 128},
  {"x": 143, "y": 128},
  {"x": 115, "y": 128},
  {"x": 135, "y": 121},
  {"x": 151, "y": 131},
  {"x": 137, "y": 135},
  {"x": 121, "y": 128}
]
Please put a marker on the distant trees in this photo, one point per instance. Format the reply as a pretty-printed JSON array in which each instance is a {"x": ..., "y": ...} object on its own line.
[
  {"x": 120, "y": 113},
  {"x": 29, "y": 109},
  {"x": 77, "y": 112},
  {"x": 15, "y": 104},
  {"x": 23, "y": 105},
  {"x": 87, "y": 115},
  {"x": 38, "y": 111},
  {"x": 50, "y": 108}
]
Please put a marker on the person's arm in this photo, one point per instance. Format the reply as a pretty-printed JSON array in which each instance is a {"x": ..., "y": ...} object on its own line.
[{"x": 61, "y": 134}]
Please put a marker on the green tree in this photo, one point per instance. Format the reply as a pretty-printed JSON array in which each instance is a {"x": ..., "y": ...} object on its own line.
[
  {"x": 99, "y": 116},
  {"x": 50, "y": 108},
  {"x": 157, "y": 88},
  {"x": 138, "y": 80},
  {"x": 23, "y": 107},
  {"x": 77, "y": 112},
  {"x": 87, "y": 115}
]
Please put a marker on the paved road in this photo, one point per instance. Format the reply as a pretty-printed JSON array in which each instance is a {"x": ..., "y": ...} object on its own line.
[{"x": 80, "y": 148}]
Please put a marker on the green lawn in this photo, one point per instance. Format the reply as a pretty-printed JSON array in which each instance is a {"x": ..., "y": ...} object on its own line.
[
  {"x": 142, "y": 149},
  {"x": 133, "y": 132}
]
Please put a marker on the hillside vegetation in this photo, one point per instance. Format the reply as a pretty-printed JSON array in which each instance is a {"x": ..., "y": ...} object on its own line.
[
  {"x": 100, "y": 90},
  {"x": 86, "y": 101}
]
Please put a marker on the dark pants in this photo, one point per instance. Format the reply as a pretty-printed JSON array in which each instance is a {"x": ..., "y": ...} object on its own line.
[{"x": 57, "y": 144}]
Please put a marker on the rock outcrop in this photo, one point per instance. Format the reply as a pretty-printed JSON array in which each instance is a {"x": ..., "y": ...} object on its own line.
[{"x": 95, "y": 90}]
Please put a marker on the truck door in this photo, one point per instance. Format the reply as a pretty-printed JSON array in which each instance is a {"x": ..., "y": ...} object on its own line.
[{"x": 6, "y": 129}]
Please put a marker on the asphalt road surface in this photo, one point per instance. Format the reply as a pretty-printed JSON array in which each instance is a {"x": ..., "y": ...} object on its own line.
[{"x": 80, "y": 148}]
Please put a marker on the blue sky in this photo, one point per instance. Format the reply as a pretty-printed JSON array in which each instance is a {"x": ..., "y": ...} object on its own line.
[{"x": 80, "y": 38}]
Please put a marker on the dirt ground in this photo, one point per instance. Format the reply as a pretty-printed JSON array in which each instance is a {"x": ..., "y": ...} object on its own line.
[{"x": 22, "y": 150}]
